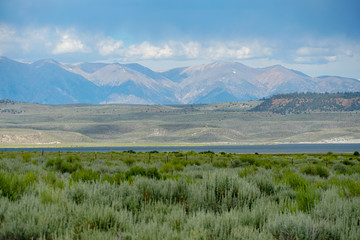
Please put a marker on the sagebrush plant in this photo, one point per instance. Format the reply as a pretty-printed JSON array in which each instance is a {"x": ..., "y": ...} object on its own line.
[{"x": 179, "y": 195}]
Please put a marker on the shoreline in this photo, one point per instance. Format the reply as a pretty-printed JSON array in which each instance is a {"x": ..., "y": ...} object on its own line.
[
  {"x": 293, "y": 148},
  {"x": 171, "y": 145}
]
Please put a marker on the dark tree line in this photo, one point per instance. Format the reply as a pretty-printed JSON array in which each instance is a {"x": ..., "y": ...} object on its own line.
[{"x": 307, "y": 102}]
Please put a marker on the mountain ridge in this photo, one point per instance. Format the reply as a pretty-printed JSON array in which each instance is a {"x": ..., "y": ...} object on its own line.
[{"x": 49, "y": 81}]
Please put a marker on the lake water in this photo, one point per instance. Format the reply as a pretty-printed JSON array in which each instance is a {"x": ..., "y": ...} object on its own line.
[{"x": 280, "y": 148}]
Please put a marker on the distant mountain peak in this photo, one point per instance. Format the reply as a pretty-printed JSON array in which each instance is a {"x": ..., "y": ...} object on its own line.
[
  {"x": 4, "y": 58},
  {"x": 42, "y": 62},
  {"x": 44, "y": 80}
]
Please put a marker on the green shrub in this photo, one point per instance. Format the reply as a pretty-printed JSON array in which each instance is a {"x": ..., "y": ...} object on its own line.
[
  {"x": 152, "y": 173},
  {"x": 247, "y": 171},
  {"x": 264, "y": 183},
  {"x": 73, "y": 159},
  {"x": 135, "y": 171},
  {"x": 248, "y": 160},
  {"x": 340, "y": 168},
  {"x": 265, "y": 163},
  {"x": 316, "y": 170},
  {"x": 101, "y": 218},
  {"x": 356, "y": 153},
  {"x": 207, "y": 152},
  {"x": 179, "y": 167},
  {"x": 295, "y": 181},
  {"x": 85, "y": 175},
  {"x": 129, "y": 161},
  {"x": 166, "y": 168},
  {"x": 11, "y": 155},
  {"x": 70, "y": 165},
  {"x": 53, "y": 181},
  {"x": 46, "y": 197},
  {"x": 235, "y": 163},
  {"x": 139, "y": 171},
  {"x": 351, "y": 188},
  {"x": 118, "y": 178},
  {"x": 26, "y": 157},
  {"x": 180, "y": 192},
  {"x": 347, "y": 162},
  {"x": 129, "y": 151},
  {"x": 301, "y": 227},
  {"x": 220, "y": 164},
  {"x": 77, "y": 194},
  {"x": 322, "y": 171},
  {"x": 195, "y": 162},
  {"x": 306, "y": 198},
  {"x": 13, "y": 185}
]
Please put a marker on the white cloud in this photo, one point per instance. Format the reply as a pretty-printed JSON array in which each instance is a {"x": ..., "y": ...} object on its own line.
[
  {"x": 182, "y": 50},
  {"x": 48, "y": 41},
  {"x": 320, "y": 55},
  {"x": 109, "y": 46},
  {"x": 7, "y": 38},
  {"x": 147, "y": 51},
  {"x": 224, "y": 52},
  {"x": 315, "y": 59},
  {"x": 69, "y": 44},
  {"x": 331, "y": 58},
  {"x": 36, "y": 38},
  {"x": 306, "y": 51},
  {"x": 7, "y": 33},
  {"x": 39, "y": 41},
  {"x": 237, "y": 51},
  {"x": 30, "y": 44},
  {"x": 189, "y": 50}
]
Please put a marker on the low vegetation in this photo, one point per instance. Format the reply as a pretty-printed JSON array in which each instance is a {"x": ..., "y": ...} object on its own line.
[
  {"x": 308, "y": 102},
  {"x": 286, "y": 118},
  {"x": 179, "y": 195}
]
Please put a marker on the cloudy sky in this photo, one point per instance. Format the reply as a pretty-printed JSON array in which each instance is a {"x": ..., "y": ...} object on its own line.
[{"x": 318, "y": 37}]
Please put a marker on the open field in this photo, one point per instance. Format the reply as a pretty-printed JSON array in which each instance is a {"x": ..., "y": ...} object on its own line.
[
  {"x": 25, "y": 124},
  {"x": 179, "y": 195}
]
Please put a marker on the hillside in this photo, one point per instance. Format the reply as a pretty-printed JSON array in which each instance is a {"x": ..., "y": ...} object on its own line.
[
  {"x": 307, "y": 102},
  {"x": 50, "y": 82},
  {"x": 28, "y": 124}
]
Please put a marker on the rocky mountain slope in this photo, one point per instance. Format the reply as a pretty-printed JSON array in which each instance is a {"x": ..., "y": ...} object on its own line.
[{"x": 48, "y": 81}]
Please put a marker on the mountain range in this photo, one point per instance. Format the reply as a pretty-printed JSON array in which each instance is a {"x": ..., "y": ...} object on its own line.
[{"x": 50, "y": 82}]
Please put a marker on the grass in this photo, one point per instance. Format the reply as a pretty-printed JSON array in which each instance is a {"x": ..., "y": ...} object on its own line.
[
  {"x": 183, "y": 195},
  {"x": 218, "y": 123}
]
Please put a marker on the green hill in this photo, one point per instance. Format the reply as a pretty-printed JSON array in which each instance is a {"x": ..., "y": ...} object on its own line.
[{"x": 307, "y": 102}]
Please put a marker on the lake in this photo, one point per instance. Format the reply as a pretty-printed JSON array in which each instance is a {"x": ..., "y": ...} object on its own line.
[{"x": 279, "y": 148}]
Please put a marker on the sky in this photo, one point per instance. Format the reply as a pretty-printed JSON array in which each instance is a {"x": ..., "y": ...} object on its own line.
[{"x": 317, "y": 37}]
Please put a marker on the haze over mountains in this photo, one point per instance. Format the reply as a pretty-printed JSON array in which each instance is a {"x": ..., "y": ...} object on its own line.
[{"x": 51, "y": 82}]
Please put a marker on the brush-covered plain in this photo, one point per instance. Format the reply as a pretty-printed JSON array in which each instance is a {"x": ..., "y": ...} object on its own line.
[
  {"x": 26, "y": 124},
  {"x": 179, "y": 195}
]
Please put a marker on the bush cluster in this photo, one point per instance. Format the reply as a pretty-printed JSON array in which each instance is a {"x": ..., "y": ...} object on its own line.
[
  {"x": 69, "y": 165},
  {"x": 316, "y": 170},
  {"x": 252, "y": 197},
  {"x": 139, "y": 171},
  {"x": 13, "y": 186}
]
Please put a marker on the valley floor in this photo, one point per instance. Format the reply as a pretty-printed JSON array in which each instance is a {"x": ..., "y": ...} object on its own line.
[{"x": 25, "y": 124}]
